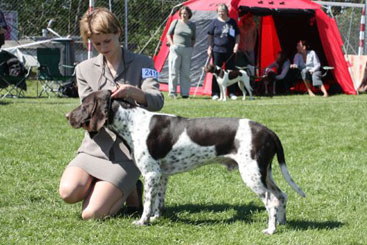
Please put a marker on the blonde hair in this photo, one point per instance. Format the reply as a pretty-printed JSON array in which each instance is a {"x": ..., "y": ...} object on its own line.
[
  {"x": 100, "y": 20},
  {"x": 222, "y": 6}
]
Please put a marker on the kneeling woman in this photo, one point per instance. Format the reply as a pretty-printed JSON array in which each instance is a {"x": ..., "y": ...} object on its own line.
[
  {"x": 103, "y": 174},
  {"x": 308, "y": 63}
]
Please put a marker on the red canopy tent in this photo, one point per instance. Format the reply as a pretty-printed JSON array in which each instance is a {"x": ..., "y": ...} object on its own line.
[{"x": 282, "y": 24}]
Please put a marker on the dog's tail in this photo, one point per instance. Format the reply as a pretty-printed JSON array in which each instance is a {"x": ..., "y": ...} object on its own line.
[{"x": 283, "y": 166}]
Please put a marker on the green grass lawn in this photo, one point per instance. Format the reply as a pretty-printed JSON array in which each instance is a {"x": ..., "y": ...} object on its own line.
[{"x": 325, "y": 145}]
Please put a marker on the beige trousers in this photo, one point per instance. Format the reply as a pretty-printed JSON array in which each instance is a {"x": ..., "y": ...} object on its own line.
[{"x": 179, "y": 69}]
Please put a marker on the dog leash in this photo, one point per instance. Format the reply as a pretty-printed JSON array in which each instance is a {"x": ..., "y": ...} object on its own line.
[
  {"x": 224, "y": 64},
  {"x": 201, "y": 76}
]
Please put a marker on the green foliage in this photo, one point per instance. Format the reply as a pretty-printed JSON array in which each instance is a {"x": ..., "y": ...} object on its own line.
[
  {"x": 144, "y": 18},
  {"x": 325, "y": 146}
]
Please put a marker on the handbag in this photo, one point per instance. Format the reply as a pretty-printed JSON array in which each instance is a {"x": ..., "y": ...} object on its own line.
[{"x": 168, "y": 44}]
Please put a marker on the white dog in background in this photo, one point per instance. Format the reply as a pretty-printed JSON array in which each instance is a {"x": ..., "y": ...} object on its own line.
[{"x": 226, "y": 78}]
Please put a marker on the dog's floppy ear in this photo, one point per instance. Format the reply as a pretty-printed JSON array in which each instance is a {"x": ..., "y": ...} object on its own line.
[
  {"x": 80, "y": 116},
  {"x": 99, "y": 113},
  {"x": 92, "y": 113}
]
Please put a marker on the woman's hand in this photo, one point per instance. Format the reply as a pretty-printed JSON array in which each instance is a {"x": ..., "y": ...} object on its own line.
[
  {"x": 209, "y": 51},
  {"x": 235, "y": 48},
  {"x": 122, "y": 91},
  {"x": 127, "y": 91},
  {"x": 293, "y": 66}
]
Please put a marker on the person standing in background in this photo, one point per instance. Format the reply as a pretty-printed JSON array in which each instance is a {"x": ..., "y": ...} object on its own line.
[
  {"x": 181, "y": 37},
  {"x": 248, "y": 37},
  {"x": 223, "y": 40}
]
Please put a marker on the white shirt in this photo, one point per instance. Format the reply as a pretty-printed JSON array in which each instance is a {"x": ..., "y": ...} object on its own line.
[{"x": 312, "y": 61}]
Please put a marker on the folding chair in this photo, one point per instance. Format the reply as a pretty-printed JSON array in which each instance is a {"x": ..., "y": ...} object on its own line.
[
  {"x": 325, "y": 70},
  {"x": 12, "y": 76},
  {"x": 49, "y": 73}
]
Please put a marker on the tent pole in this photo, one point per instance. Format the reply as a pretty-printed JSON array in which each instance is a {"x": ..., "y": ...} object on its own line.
[
  {"x": 361, "y": 32},
  {"x": 90, "y": 47}
]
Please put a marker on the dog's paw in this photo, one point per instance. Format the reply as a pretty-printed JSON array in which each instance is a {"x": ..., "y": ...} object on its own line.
[
  {"x": 154, "y": 218},
  {"x": 282, "y": 222},
  {"x": 269, "y": 231},
  {"x": 139, "y": 223}
]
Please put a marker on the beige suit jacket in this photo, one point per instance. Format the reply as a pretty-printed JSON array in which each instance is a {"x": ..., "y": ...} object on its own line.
[{"x": 93, "y": 75}]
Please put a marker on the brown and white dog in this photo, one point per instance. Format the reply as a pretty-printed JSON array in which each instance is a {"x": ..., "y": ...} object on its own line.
[
  {"x": 164, "y": 144},
  {"x": 226, "y": 78}
]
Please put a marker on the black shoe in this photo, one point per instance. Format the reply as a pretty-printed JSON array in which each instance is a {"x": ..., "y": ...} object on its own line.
[{"x": 185, "y": 97}]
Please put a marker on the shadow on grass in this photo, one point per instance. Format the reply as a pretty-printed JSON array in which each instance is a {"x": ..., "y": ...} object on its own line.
[
  {"x": 4, "y": 102},
  {"x": 243, "y": 213},
  {"x": 314, "y": 225}
]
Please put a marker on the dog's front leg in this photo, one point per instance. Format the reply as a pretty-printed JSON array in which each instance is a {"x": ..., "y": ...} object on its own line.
[
  {"x": 151, "y": 182},
  {"x": 159, "y": 201},
  {"x": 223, "y": 94}
]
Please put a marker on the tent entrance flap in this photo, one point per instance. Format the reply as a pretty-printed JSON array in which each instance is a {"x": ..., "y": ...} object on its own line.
[{"x": 269, "y": 43}]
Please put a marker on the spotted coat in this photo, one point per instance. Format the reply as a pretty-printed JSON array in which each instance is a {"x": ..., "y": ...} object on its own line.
[{"x": 164, "y": 144}]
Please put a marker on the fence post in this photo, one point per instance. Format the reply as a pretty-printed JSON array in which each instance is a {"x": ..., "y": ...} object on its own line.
[
  {"x": 361, "y": 32},
  {"x": 126, "y": 24},
  {"x": 90, "y": 48}
]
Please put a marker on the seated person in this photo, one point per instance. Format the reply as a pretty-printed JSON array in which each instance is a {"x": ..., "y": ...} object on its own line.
[
  {"x": 282, "y": 76},
  {"x": 308, "y": 63}
]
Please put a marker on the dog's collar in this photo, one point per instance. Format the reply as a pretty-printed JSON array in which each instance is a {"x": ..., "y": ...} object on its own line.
[{"x": 109, "y": 109}]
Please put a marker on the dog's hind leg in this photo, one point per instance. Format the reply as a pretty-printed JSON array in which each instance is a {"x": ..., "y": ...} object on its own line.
[
  {"x": 162, "y": 194},
  {"x": 248, "y": 87},
  {"x": 252, "y": 177},
  {"x": 159, "y": 201},
  {"x": 277, "y": 198},
  {"x": 242, "y": 88}
]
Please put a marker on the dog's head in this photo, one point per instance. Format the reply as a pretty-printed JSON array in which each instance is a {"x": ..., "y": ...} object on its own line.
[
  {"x": 210, "y": 68},
  {"x": 92, "y": 114}
]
